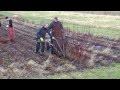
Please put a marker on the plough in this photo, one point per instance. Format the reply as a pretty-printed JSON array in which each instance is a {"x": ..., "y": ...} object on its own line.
[{"x": 59, "y": 52}]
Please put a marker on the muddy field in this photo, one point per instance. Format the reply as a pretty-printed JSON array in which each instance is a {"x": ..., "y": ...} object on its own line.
[{"x": 18, "y": 60}]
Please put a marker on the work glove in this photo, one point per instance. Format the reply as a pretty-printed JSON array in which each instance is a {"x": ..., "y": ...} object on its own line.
[
  {"x": 50, "y": 32},
  {"x": 41, "y": 39},
  {"x": 53, "y": 37},
  {"x": 49, "y": 40},
  {"x": 7, "y": 26}
]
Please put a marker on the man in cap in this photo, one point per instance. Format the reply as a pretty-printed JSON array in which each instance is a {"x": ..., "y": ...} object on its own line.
[
  {"x": 40, "y": 37},
  {"x": 57, "y": 32}
]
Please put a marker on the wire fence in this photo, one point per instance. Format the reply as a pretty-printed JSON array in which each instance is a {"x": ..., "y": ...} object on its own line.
[{"x": 99, "y": 30}]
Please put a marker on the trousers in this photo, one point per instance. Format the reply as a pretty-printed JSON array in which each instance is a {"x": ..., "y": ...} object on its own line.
[
  {"x": 11, "y": 34},
  {"x": 40, "y": 45}
]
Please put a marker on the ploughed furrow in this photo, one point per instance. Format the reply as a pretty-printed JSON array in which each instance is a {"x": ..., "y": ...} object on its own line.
[
  {"x": 24, "y": 41},
  {"x": 23, "y": 47},
  {"x": 78, "y": 47},
  {"x": 25, "y": 28},
  {"x": 9, "y": 54},
  {"x": 24, "y": 32},
  {"x": 30, "y": 48}
]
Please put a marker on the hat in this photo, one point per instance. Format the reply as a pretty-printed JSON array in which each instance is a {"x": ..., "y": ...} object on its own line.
[{"x": 6, "y": 17}]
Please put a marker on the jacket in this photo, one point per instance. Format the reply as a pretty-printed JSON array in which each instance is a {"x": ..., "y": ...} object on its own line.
[
  {"x": 57, "y": 29},
  {"x": 42, "y": 32}
]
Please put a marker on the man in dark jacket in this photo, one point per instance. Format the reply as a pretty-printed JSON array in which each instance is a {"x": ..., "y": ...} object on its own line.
[
  {"x": 40, "y": 37},
  {"x": 57, "y": 32}
]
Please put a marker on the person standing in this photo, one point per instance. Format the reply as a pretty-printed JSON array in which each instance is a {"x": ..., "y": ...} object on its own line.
[
  {"x": 11, "y": 32},
  {"x": 57, "y": 32},
  {"x": 40, "y": 38}
]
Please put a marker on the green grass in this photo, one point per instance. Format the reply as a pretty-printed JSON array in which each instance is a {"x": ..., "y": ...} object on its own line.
[
  {"x": 110, "y": 72},
  {"x": 100, "y": 25}
]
